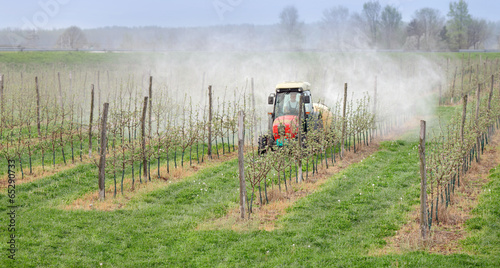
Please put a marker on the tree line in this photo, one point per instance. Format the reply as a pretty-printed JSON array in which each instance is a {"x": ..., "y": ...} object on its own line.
[{"x": 373, "y": 27}]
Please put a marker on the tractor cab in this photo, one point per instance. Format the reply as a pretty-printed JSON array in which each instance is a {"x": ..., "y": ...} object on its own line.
[{"x": 287, "y": 102}]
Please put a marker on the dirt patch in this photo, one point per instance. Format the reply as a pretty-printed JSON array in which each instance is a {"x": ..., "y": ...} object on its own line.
[
  {"x": 264, "y": 215},
  {"x": 445, "y": 237},
  {"x": 37, "y": 173},
  {"x": 91, "y": 200}
]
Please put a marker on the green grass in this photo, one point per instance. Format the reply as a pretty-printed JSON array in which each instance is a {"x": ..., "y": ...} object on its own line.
[
  {"x": 85, "y": 58},
  {"x": 59, "y": 57},
  {"x": 158, "y": 229},
  {"x": 485, "y": 225}
]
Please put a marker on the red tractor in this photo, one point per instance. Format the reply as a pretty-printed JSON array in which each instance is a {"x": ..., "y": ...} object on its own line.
[{"x": 284, "y": 120}]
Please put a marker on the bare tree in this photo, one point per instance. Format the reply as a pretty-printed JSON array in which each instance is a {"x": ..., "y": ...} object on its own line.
[
  {"x": 72, "y": 38},
  {"x": 415, "y": 30},
  {"x": 335, "y": 25},
  {"x": 371, "y": 13},
  {"x": 390, "y": 23},
  {"x": 291, "y": 26},
  {"x": 477, "y": 33},
  {"x": 431, "y": 22}
]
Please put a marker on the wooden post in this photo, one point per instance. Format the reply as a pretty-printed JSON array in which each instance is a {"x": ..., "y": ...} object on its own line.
[
  {"x": 38, "y": 108},
  {"x": 478, "y": 100},
  {"x": 150, "y": 105},
  {"x": 440, "y": 95},
  {"x": 478, "y": 105},
  {"x": 299, "y": 135},
  {"x": 270, "y": 127},
  {"x": 202, "y": 101},
  {"x": 462, "y": 83},
  {"x": 91, "y": 119},
  {"x": 344, "y": 123},
  {"x": 209, "y": 152},
  {"x": 447, "y": 71},
  {"x": 241, "y": 167},
  {"x": 1, "y": 104},
  {"x": 1, "y": 85},
  {"x": 60, "y": 92},
  {"x": 143, "y": 140},
  {"x": 98, "y": 92},
  {"x": 491, "y": 92},
  {"x": 464, "y": 116},
  {"x": 254, "y": 118},
  {"x": 375, "y": 104},
  {"x": 102, "y": 160},
  {"x": 453, "y": 86},
  {"x": 423, "y": 183}
]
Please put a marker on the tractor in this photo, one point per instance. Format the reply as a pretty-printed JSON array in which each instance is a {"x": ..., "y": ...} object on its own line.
[{"x": 284, "y": 119}]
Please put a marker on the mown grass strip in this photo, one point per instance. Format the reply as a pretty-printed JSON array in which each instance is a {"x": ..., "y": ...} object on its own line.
[{"x": 485, "y": 225}]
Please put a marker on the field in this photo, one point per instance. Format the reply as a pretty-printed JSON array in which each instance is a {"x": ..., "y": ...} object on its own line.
[{"x": 182, "y": 210}]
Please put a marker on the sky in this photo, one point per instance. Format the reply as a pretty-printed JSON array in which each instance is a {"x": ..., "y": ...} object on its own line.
[{"x": 50, "y": 14}]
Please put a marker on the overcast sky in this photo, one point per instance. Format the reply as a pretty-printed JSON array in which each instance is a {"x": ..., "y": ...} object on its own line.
[{"x": 48, "y": 14}]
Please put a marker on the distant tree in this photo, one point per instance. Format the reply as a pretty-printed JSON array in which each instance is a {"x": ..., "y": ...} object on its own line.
[
  {"x": 443, "y": 35},
  {"x": 431, "y": 23},
  {"x": 477, "y": 32},
  {"x": 72, "y": 38},
  {"x": 371, "y": 12},
  {"x": 335, "y": 25},
  {"x": 390, "y": 23},
  {"x": 291, "y": 26},
  {"x": 32, "y": 38},
  {"x": 458, "y": 25},
  {"x": 415, "y": 30},
  {"x": 128, "y": 42},
  {"x": 498, "y": 41}
]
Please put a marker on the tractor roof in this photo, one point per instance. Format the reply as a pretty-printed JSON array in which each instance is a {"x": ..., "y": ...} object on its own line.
[{"x": 293, "y": 86}]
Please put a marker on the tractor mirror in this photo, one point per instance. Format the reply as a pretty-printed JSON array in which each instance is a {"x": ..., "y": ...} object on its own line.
[
  {"x": 307, "y": 99},
  {"x": 270, "y": 99}
]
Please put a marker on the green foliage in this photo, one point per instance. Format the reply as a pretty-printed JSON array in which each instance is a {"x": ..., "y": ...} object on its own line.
[{"x": 458, "y": 24}]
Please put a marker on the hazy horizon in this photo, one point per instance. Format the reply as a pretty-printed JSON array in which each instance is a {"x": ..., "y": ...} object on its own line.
[{"x": 57, "y": 14}]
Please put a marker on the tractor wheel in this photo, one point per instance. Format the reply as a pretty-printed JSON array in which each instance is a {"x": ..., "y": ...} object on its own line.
[{"x": 263, "y": 144}]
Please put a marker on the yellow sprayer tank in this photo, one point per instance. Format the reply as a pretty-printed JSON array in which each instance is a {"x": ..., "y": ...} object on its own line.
[{"x": 325, "y": 113}]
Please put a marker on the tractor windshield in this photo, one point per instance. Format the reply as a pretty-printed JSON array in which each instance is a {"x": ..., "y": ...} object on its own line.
[{"x": 287, "y": 103}]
